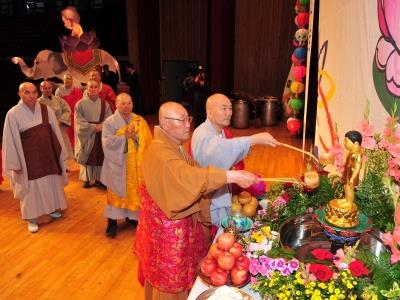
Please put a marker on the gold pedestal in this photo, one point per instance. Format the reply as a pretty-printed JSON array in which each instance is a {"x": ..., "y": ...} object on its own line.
[{"x": 342, "y": 214}]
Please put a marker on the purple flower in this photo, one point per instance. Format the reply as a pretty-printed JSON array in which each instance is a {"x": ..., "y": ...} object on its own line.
[
  {"x": 264, "y": 270},
  {"x": 253, "y": 280},
  {"x": 272, "y": 264},
  {"x": 293, "y": 265},
  {"x": 286, "y": 271},
  {"x": 253, "y": 267},
  {"x": 264, "y": 259},
  {"x": 280, "y": 264},
  {"x": 262, "y": 212}
]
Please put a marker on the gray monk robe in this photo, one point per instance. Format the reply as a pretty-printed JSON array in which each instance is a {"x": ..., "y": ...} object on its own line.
[
  {"x": 63, "y": 115},
  {"x": 32, "y": 143},
  {"x": 88, "y": 148}
]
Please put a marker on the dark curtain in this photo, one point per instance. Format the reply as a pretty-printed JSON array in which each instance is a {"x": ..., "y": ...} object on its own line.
[
  {"x": 221, "y": 43},
  {"x": 149, "y": 54},
  {"x": 263, "y": 45}
]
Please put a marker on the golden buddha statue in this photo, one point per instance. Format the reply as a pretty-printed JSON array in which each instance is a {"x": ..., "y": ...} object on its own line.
[{"x": 344, "y": 212}]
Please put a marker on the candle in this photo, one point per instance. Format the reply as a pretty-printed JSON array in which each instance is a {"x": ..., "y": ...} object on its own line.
[{"x": 311, "y": 179}]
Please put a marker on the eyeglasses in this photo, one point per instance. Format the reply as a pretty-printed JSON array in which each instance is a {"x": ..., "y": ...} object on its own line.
[{"x": 186, "y": 119}]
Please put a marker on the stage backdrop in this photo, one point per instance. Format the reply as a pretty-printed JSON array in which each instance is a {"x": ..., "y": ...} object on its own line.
[{"x": 358, "y": 57}]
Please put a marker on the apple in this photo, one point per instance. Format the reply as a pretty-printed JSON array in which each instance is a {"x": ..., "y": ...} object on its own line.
[
  {"x": 219, "y": 277},
  {"x": 243, "y": 261},
  {"x": 226, "y": 261},
  {"x": 214, "y": 251},
  {"x": 239, "y": 275},
  {"x": 207, "y": 266},
  {"x": 225, "y": 241},
  {"x": 236, "y": 250}
]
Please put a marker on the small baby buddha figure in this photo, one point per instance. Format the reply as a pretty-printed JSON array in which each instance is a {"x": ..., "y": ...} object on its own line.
[{"x": 344, "y": 212}]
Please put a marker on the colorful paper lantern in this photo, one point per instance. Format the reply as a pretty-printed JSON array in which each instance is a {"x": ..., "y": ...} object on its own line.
[
  {"x": 300, "y": 37},
  {"x": 295, "y": 60},
  {"x": 300, "y": 53},
  {"x": 296, "y": 103},
  {"x": 297, "y": 87},
  {"x": 299, "y": 72},
  {"x": 293, "y": 125},
  {"x": 302, "y": 19}
]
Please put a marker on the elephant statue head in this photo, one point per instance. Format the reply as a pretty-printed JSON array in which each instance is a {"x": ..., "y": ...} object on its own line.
[{"x": 48, "y": 64}]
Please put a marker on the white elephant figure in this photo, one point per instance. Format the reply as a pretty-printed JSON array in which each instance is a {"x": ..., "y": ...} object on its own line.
[{"x": 49, "y": 64}]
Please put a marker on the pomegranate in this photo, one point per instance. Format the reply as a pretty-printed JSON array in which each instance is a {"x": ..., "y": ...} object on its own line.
[
  {"x": 225, "y": 241},
  {"x": 226, "y": 261},
  {"x": 239, "y": 275},
  {"x": 236, "y": 250},
  {"x": 207, "y": 266},
  {"x": 219, "y": 277},
  {"x": 243, "y": 261}
]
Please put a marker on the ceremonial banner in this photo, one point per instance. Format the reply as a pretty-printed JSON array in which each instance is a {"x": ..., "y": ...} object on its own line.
[{"x": 358, "y": 56}]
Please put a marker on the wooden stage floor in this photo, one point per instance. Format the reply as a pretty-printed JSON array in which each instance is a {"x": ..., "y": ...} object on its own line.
[{"x": 70, "y": 258}]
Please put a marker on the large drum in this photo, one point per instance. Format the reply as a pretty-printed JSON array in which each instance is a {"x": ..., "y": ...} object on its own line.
[
  {"x": 268, "y": 110},
  {"x": 240, "y": 113}
]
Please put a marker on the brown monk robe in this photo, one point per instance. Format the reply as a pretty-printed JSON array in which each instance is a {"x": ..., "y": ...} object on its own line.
[
  {"x": 34, "y": 156},
  {"x": 170, "y": 238}
]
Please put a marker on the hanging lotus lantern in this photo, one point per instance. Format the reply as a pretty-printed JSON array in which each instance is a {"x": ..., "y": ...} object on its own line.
[
  {"x": 293, "y": 125},
  {"x": 296, "y": 103},
  {"x": 297, "y": 87}
]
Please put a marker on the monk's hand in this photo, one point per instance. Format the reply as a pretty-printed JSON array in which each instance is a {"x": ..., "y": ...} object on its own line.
[
  {"x": 242, "y": 178},
  {"x": 130, "y": 132},
  {"x": 264, "y": 138}
]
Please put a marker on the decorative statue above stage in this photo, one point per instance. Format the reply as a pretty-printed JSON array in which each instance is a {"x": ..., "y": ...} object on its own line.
[
  {"x": 344, "y": 212},
  {"x": 80, "y": 54}
]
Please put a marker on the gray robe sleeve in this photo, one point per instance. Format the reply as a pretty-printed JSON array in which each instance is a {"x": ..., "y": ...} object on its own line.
[
  {"x": 65, "y": 116},
  {"x": 220, "y": 152},
  {"x": 113, "y": 173},
  {"x": 85, "y": 135}
]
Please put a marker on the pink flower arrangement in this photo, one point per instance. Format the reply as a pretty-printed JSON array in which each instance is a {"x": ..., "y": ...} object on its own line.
[{"x": 392, "y": 240}]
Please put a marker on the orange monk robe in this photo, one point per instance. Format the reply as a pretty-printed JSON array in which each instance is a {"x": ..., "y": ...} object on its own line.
[{"x": 176, "y": 185}]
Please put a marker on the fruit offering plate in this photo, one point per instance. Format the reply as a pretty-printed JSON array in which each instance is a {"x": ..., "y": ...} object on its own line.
[
  {"x": 207, "y": 281},
  {"x": 224, "y": 292},
  {"x": 246, "y": 223}
]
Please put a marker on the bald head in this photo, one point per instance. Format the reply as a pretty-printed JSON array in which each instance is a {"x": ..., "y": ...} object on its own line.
[
  {"x": 93, "y": 88},
  {"x": 26, "y": 85},
  {"x": 124, "y": 105},
  {"x": 46, "y": 87},
  {"x": 123, "y": 97},
  {"x": 175, "y": 121},
  {"x": 28, "y": 93},
  {"x": 68, "y": 80},
  {"x": 95, "y": 75},
  {"x": 219, "y": 111},
  {"x": 171, "y": 110},
  {"x": 215, "y": 100}
]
